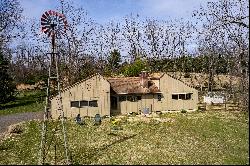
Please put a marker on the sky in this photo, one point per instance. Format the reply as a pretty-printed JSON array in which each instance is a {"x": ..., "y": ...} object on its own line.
[{"x": 103, "y": 11}]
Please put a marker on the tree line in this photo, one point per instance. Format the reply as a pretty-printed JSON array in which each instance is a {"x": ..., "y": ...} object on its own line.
[{"x": 219, "y": 30}]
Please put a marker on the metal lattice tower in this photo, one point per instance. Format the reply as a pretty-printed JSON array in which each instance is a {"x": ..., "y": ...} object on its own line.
[{"x": 54, "y": 25}]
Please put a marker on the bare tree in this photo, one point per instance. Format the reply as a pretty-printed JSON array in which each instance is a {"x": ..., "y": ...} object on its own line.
[
  {"x": 225, "y": 29},
  {"x": 10, "y": 18},
  {"x": 132, "y": 33}
]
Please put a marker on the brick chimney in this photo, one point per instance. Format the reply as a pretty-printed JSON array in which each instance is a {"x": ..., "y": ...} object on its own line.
[{"x": 144, "y": 79}]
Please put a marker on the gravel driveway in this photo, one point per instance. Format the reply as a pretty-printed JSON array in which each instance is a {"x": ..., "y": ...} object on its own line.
[{"x": 8, "y": 120}]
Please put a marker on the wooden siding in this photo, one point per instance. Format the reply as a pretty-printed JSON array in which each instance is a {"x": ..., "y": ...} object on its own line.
[
  {"x": 168, "y": 86},
  {"x": 94, "y": 88}
]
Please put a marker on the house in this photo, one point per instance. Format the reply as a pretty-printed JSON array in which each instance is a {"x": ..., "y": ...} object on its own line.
[{"x": 122, "y": 95}]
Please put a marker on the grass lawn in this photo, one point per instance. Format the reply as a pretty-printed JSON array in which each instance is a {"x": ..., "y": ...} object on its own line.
[
  {"x": 184, "y": 138},
  {"x": 26, "y": 101}
]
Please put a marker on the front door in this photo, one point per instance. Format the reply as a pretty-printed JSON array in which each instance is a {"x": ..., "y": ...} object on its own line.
[{"x": 114, "y": 105}]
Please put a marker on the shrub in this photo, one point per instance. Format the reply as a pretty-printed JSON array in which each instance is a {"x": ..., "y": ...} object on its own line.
[
  {"x": 115, "y": 124},
  {"x": 183, "y": 111},
  {"x": 133, "y": 114},
  {"x": 16, "y": 129}
]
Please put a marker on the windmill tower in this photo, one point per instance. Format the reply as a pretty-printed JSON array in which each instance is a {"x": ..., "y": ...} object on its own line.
[{"x": 54, "y": 25}]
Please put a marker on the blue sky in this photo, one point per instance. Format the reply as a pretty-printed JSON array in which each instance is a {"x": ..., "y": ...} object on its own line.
[{"x": 103, "y": 11}]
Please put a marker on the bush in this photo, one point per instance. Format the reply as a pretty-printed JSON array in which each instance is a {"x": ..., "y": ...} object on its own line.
[
  {"x": 116, "y": 124},
  {"x": 133, "y": 114},
  {"x": 16, "y": 129},
  {"x": 183, "y": 111}
]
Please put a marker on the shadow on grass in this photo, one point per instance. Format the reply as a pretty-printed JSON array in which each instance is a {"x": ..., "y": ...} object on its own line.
[{"x": 92, "y": 154}]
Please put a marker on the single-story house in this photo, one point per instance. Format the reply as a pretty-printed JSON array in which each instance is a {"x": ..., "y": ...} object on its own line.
[{"x": 121, "y": 95}]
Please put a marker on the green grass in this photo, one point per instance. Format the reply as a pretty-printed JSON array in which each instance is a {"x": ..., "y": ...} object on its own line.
[
  {"x": 26, "y": 101},
  {"x": 190, "y": 138}
]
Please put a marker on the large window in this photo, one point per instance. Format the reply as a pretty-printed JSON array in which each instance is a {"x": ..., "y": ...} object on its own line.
[
  {"x": 182, "y": 96},
  {"x": 83, "y": 103}
]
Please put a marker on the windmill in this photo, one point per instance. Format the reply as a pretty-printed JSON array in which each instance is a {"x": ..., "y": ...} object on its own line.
[{"x": 54, "y": 25}]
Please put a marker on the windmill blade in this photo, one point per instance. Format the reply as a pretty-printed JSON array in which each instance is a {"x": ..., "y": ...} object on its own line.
[{"x": 53, "y": 23}]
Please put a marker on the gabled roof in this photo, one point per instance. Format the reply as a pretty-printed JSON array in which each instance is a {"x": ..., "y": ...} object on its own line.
[{"x": 131, "y": 85}]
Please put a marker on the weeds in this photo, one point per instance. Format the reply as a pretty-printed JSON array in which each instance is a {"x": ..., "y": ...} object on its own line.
[{"x": 196, "y": 138}]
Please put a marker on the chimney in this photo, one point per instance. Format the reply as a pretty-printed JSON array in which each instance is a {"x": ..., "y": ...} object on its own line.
[{"x": 144, "y": 79}]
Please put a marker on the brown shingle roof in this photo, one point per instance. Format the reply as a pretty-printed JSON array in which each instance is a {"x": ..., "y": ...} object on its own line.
[{"x": 128, "y": 85}]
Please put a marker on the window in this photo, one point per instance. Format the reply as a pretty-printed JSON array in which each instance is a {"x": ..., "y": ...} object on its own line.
[
  {"x": 93, "y": 103},
  {"x": 182, "y": 96},
  {"x": 74, "y": 104},
  {"x": 159, "y": 97},
  {"x": 122, "y": 98},
  {"x": 188, "y": 96},
  {"x": 132, "y": 98},
  {"x": 129, "y": 98},
  {"x": 84, "y": 103},
  {"x": 175, "y": 96}
]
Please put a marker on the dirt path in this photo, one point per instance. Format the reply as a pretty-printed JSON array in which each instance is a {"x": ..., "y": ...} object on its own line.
[{"x": 8, "y": 120}]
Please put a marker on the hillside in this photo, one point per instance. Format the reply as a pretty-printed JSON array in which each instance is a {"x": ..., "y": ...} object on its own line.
[{"x": 200, "y": 80}]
